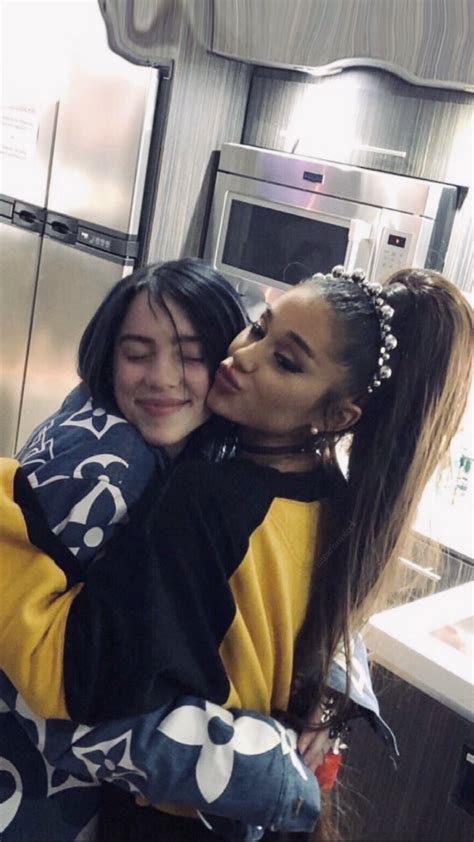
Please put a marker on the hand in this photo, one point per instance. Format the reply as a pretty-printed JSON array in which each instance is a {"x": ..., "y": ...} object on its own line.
[
  {"x": 314, "y": 745},
  {"x": 142, "y": 801}
]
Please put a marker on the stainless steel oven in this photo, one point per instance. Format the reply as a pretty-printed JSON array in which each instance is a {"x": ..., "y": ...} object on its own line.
[{"x": 277, "y": 218}]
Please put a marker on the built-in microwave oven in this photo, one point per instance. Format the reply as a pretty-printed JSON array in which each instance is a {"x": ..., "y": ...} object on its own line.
[{"x": 277, "y": 218}]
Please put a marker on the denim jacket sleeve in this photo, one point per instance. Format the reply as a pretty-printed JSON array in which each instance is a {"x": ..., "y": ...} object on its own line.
[
  {"x": 361, "y": 691},
  {"x": 88, "y": 466},
  {"x": 235, "y": 764}
]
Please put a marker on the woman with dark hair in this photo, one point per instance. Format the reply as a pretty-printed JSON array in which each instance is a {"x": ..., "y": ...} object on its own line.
[
  {"x": 249, "y": 574},
  {"x": 146, "y": 361}
]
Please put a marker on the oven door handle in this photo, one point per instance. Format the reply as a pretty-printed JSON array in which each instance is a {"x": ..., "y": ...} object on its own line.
[{"x": 360, "y": 245}]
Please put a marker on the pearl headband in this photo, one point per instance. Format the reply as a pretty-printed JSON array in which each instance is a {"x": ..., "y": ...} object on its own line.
[{"x": 384, "y": 313}]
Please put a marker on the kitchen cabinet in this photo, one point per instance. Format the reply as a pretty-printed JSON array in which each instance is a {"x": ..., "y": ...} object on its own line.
[
  {"x": 427, "y": 42},
  {"x": 423, "y": 676},
  {"x": 429, "y": 797},
  {"x": 152, "y": 32}
]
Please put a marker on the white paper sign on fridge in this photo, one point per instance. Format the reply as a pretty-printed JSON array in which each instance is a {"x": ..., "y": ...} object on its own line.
[{"x": 19, "y": 131}]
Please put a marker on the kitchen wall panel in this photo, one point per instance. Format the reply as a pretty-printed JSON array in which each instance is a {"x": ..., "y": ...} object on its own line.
[
  {"x": 207, "y": 105},
  {"x": 372, "y": 119}
]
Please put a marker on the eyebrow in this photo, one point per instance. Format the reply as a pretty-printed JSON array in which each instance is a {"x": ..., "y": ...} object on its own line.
[
  {"x": 137, "y": 337},
  {"x": 295, "y": 337},
  {"x": 298, "y": 340}
]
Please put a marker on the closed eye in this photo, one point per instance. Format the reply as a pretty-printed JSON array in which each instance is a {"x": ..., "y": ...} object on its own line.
[
  {"x": 136, "y": 358},
  {"x": 286, "y": 364},
  {"x": 257, "y": 331}
]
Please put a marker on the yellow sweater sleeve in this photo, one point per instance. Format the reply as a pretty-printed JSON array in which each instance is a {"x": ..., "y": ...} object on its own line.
[{"x": 34, "y": 606}]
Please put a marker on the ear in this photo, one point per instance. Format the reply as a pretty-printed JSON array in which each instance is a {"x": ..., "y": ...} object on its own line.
[{"x": 340, "y": 416}]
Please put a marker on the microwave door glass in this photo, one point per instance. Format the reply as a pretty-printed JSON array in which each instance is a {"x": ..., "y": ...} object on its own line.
[{"x": 283, "y": 246}]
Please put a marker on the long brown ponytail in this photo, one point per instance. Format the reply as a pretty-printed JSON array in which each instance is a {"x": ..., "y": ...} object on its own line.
[{"x": 406, "y": 427}]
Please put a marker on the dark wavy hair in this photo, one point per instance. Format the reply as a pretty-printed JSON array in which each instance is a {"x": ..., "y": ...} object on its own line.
[{"x": 211, "y": 304}]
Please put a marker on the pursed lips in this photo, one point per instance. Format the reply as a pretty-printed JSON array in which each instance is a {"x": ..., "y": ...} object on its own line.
[{"x": 226, "y": 378}]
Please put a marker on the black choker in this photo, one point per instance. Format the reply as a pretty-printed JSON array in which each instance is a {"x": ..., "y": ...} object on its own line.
[{"x": 283, "y": 450}]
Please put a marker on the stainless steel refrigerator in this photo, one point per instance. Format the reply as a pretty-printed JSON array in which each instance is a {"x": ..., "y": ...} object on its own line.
[{"x": 76, "y": 194}]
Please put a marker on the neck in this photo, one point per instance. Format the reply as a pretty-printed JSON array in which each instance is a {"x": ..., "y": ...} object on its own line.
[
  {"x": 285, "y": 464},
  {"x": 294, "y": 457}
]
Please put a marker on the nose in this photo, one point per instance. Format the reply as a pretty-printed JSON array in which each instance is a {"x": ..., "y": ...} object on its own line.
[
  {"x": 246, "y": 357},
  {"x": 165, "y": 371}
]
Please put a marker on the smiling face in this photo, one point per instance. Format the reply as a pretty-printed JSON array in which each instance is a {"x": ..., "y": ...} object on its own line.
[
  {"x": 157, "y": 390},
  {"x": 279, "y": 371}
]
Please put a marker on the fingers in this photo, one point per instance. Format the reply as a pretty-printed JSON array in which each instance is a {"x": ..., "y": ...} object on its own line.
[{"x": 313, "y": 745}]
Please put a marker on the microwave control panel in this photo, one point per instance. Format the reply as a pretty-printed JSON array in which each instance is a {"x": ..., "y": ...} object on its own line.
[{"x": 392, "y": 254}]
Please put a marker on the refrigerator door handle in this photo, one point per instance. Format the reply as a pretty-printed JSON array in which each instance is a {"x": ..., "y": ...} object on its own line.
[
  {"x": 29, "y": 216},
  {"x": 29, "y": 220},
  {"x": 61, "y": 228}
]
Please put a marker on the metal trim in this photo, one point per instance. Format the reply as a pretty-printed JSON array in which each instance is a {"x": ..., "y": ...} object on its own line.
[
  {"x": 144, "y": 151},
  {"x": 343, "y": 181},
  {"x": 153, "y": 167},
  {"x": 338, "y": 65},
  {"x": 89, "y": 237}
]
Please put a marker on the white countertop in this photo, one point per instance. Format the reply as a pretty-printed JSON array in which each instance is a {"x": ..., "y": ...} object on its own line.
[{"x": 430, "y": 644}]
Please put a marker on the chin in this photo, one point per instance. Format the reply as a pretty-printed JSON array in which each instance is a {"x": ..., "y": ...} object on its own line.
[
  {"x": 155, "y": 441},
  {"x": 170, "y": 446},
  {"x": 219, "y": 408},
  {"x": 212, "y": 402}
]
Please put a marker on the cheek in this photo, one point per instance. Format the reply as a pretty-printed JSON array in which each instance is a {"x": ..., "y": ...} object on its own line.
[
  {"x": 199, "y": 383},
  {"x": 124, "y": 379},
  {"x": 117, "y": 376}
]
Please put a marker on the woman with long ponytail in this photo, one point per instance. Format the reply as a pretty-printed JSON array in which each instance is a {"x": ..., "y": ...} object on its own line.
[{"x": 405, "y": 428}]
